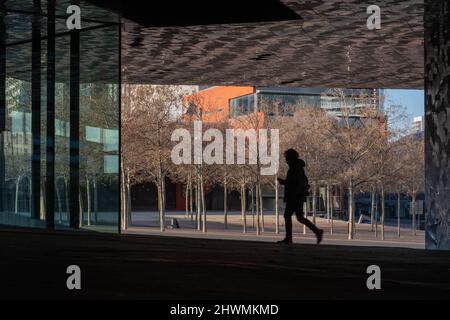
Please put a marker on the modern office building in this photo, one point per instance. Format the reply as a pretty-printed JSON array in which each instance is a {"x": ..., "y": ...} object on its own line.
[{"x": 220, "y": 103}]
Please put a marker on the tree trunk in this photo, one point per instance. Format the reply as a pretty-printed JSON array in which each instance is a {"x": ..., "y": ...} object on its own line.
[
  {"x": 383, "y": 211},
  {"x": 225, "y": 202},
  {"x": 123, "y": 209},
  {"x": 66, "y": 191},
  {"x": 314, "y": 203},
  {"x": 243, "y": 215},
  {"x": 127, "y": 214},
  {"x": 330, "y": 206},
  {"x": 351, "y": 216},
  {"x": 161, "y": 217},
  {"x": 88, "y": 198},
  {"x": 160, "y": 182},
  {"x": 43, "y": 204},
  {"x": 327, "y": 201},
  {"x": 398, "y": 213},
  {"x": 376, "y": 215},
  {"x": 163, "y": 182},
  {"x": 372, "y": 210},
  {"x": 161, "y": 195},
  {"x": 252, "y": 191},
  {"x": 332, "y": 225},
  {"x": 191, "y": 198},
  {"x": 122, "y": 196},
  {"x": 277, "y": 209},
  {"x": 199, "y": 205},
  {"x": 413, "y": 207},
  {"x": 195, "y": 206},
  {"x": 186, "y": 197},
  {"x": 96, "y": 199},
  {"x": 261, "y": 207},
  {"x": 331, "y": 212},
  {"x": 203, "y": 205},
  {"x": 305, "y": 215},
  {"x": 128, "y": 217},
  {"x": 58, "y": 196},
  {"x": 258, "y": 231},
  {"x": 16, "y": 204}
]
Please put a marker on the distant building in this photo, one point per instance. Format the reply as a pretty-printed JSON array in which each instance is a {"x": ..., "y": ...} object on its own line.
[
  {"x": 223, "y": 102},
  {"x": 215, "y": 103},
  {"x": 418, "y": 124}
]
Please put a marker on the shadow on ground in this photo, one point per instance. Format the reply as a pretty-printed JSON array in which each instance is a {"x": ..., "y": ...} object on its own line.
[{"x": 33, "y": 265}]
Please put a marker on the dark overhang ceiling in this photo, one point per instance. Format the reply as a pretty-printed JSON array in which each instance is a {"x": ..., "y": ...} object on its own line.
[
  {"x": 99, "y": 37},
  {"x": 198, "y": 12},
  {"x": 330, "y": 47}
]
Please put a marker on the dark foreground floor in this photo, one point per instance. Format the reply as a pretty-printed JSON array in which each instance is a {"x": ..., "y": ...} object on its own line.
[{"x": 33, "y": 265}]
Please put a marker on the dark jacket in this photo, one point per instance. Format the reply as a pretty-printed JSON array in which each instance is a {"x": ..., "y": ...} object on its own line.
[{"x": 296, "y": 182}]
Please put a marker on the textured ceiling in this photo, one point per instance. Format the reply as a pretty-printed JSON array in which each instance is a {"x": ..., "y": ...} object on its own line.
[
  {"x": 330, "y": 47},
  {"x": 198, "y": 12},
  {"x": 99, "y": 38}
]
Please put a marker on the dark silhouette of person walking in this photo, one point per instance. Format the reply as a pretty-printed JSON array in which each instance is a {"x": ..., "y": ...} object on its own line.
[{"x": 296, "y": 189}]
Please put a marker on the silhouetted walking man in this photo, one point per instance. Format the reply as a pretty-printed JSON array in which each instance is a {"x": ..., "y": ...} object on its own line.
[{"x": 295, "y": 192}]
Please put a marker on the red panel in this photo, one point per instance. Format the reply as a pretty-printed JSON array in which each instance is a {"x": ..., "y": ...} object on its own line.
[{"x": 180, "y": 199}]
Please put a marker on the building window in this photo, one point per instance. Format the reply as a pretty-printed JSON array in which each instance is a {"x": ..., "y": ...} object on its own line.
[
  {"x": 242, "y": 105},
  {"x": 111, "y": 164}
]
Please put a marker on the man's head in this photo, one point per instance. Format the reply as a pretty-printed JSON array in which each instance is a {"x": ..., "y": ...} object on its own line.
[{"x": 291, "y": 155}]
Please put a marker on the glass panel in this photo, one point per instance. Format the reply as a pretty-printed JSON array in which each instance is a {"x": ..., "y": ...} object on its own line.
[
  {"x": 99, "y": 129},
  {"x": 99, "y": 118},
  {"x": 18, "y": 136},
  {"x": 242, "y": 105}
]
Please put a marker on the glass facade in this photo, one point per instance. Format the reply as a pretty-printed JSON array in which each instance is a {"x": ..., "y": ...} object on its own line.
[
  {"x": 283, "y": 101},
  {"x": 272, "y": 103},
  {"x": 242, "y": 105},
  {"x": 59, "y": 116}
]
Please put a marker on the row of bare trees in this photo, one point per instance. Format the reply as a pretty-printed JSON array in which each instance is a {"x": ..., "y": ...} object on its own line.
[{"x": 353, "y": 144}]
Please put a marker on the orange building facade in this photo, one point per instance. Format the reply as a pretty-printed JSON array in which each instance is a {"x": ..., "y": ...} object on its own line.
[{"x": 214, "y": 103}]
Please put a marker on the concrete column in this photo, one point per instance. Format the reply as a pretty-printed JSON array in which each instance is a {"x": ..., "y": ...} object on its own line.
[{"x": 437, "y": 123}]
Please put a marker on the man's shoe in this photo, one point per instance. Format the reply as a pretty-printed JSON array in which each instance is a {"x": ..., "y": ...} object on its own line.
[
  {"x": 319, "y": 236},
  {"x": 285, "y": 240}
]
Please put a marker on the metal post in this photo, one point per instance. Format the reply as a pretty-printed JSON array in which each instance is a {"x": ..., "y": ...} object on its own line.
[
  {"x": 74, "y": 186},
  {"x": 2, "y": 108},
  {"x": 51, "y": 78},
  {"x": 36, "y": 111}
]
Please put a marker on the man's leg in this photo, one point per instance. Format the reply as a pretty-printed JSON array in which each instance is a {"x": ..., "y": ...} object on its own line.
[
  {"x": 288, "y": 212},
  {"x": 301, "y": 218}
]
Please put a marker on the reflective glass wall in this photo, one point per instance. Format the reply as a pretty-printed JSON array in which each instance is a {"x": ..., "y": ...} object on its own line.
[{"x": 64, "y": 175}]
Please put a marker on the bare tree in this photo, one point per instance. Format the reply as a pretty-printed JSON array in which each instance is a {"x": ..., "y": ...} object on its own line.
[
  {"x": 354, "y": 133},
  {"x": 147, "y": 131},
  {"x": 385, "y": 163},
  {"x": 413, "y": 171}
]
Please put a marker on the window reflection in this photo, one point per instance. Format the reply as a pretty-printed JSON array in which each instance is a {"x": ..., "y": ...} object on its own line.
[{"x": 99, "y": 100}]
